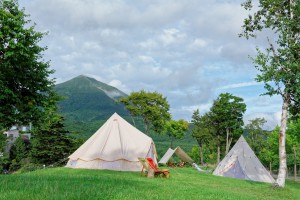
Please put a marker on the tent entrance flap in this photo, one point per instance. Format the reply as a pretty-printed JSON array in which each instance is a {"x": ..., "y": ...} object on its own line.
[
  {"x": 236, "y": 171},
  {"x": 179, "y": 152}
]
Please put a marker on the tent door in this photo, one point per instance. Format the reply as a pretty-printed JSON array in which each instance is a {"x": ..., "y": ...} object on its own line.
[{"x": 236, "y": 171}]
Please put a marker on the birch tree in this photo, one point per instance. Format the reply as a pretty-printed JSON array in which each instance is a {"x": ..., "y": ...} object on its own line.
[{"x": 279, "y": 63}]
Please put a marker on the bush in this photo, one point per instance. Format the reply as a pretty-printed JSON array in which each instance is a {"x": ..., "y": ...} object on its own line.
[
  {"x": 14, "y": 166},
  {"x": 30, "y": 167}
]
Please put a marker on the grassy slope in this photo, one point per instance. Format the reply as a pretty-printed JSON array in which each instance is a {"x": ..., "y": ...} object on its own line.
[{"x": 187, "y": 183}]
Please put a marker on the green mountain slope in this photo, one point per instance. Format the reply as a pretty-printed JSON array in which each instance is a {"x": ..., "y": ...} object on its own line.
[{"x": 88, "y": 103}]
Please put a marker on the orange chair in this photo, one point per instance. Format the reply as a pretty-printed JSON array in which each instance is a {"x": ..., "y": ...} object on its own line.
[
  {"x": 162, "y": 173},
  {"x": 148, "y": 164}
]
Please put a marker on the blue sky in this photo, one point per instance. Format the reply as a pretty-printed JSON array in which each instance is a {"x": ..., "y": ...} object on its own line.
[{"x": 187, "y": 50}]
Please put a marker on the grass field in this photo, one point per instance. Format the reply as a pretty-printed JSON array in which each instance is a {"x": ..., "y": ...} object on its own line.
[{"x": 185, "y": 183}]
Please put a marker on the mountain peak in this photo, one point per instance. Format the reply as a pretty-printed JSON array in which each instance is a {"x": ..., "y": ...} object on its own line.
[
  {"x": 85, "y": 83},
  {"x": 88, "y": 100}
]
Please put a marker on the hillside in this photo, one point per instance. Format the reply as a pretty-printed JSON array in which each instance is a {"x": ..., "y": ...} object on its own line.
[
  {"x": 88, "y": 103},
  {"x": 184, "y": 183}
]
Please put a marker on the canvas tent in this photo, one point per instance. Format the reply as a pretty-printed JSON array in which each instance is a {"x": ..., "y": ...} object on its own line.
[
  {"x": 116, "y": 145},
  {"x": 242, "y": 163},
  {"x": 179, "y": 152}
]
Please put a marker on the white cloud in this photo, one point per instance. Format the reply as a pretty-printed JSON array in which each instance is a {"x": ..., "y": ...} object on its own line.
[
  {"x": 271, "y": 118},
  {"x": 166, "y": 46},
  {"x": 239, "y": 85},
  {"x": 170, "y": 36},
  {"x": 118, "y": 84},
  {"x": 199, "y": 43}
]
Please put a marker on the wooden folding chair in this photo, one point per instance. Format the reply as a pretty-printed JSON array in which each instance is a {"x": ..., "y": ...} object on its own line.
[{"x": 145, "y": 166}]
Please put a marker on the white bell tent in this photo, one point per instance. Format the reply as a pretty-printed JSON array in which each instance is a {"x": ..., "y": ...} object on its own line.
[{"x": 117, "y": 145}]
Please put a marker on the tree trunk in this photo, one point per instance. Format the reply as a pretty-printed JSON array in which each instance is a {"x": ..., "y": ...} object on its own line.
[
  {"x": 270, "y": 167},
  {"x": 280, "y": 181},
  {"x": 146, "y": 126},
  {"x": 201, "y": 154},
  {"x": 227, "y": 142},
  {"x": 295, "y": 163},
  {"x": 218, "y": 154},
  {"x": 171, "y": 143},
  {"x": 133, "y": 121}
]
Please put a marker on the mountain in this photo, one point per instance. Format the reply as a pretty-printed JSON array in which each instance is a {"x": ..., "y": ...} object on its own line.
[{"x": 88, "y": 103}]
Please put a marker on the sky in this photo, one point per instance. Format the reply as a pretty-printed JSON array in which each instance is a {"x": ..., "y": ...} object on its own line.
[{"x": 189, "y": 51}]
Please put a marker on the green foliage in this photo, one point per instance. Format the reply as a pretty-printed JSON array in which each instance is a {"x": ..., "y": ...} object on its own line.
[
  {"x": 279, "y": 64},
  {"x": 19, "y": 152},
  {"x": 3, "y": 155},
  {"x": 293, "y": 132},
  {"x": 202, "y": 131},
  {"x": 24, "y": 83},
  {"x": 256, "y": 135},
  {"x": 29, "y": 167},
  {"x": 151, "y": 106},
  {"x": 176, "y": 129},
  {"x": 184, "y": 183},
  {"x": 2, "y": 141},
  {"x": 226, "y": 115},
  {"x": 269, "y": 151},
  {"x": 209, "y": 154},
  {"x": 86, "y": 105},
  {"x": 51, "y": 142}
]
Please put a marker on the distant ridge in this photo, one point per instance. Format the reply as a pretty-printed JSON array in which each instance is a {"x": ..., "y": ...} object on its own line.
[{"x": 88, "y": 103}]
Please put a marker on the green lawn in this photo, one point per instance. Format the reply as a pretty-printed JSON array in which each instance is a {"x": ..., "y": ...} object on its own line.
[{"x": 185, "y": 183}]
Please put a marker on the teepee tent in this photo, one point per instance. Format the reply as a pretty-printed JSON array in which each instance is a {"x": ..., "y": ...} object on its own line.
[
  {"x": 242, "y": 163},
  {"x": 116, "y": 145},
  {"x": 179, "y": 152}
]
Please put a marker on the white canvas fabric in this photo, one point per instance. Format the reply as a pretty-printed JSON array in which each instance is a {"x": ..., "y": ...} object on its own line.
[
  {"x": 117, "y": 145},
  {"x": 242, "y": 163},
  {"x": 179, "y": 152}
]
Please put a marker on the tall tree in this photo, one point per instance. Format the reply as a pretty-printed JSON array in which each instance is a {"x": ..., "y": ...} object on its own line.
[
  {"x": 151, "y": 106},
  {"x": 176, "y": 129},
  {"x": 294, "y": 132},
  {"x": 51, "y": 143},
  {"x": 24, "y": 83},
  {"x": 227, "y": 113},
  {"x": 3, "y": 152},
  {"x": 256, "y": 136},
  {"x": 202, "y": 131},
  {"x": 279, "y": 64}
]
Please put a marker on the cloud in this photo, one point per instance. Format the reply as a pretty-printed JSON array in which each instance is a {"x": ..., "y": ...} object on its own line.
[
  {"x": 187, "y": 50},
  {"x": 273, "y": 119},
  {"x": 239, "y": 85},
  {"x": 118, "y": 84}
]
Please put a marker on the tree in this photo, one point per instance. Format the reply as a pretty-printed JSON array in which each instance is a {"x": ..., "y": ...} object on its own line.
[
  {"x": 256, "y": 136},
  {"x": 269, "y": 153},
  {"x": 19, "y": 153},
  {"x": 2, "y": 151},
  {"x": 24, "y": 83},
  {"x": 176, "y": 129},
  {"x": 51, "y": 143},
  {"x": 151, "y": 106},
  {"x": 279, "y": 64},
  {"x": 294, "y": 132},
  {"x": 227, "y": 115},
  {"x": 202, "y": 131}
]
